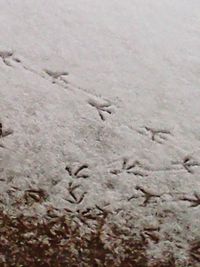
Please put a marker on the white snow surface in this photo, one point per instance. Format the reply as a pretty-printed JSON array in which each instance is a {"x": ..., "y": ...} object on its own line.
[{"x": 112, "y": 87}]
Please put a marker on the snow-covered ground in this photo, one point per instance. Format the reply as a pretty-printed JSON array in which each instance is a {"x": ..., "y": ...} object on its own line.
[{"x": 105, "y": 95}]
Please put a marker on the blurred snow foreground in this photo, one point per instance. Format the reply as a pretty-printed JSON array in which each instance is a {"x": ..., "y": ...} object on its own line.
[{"x": 100, "y": 133}]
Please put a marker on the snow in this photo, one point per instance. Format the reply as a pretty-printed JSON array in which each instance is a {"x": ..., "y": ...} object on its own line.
[{"x": 128, "y": 108}]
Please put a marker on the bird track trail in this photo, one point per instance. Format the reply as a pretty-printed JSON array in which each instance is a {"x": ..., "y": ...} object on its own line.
[{"x": 9, "y": 59}]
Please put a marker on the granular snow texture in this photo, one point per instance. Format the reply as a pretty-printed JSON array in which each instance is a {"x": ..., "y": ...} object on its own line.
[{"x": 100, "y": 133}]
